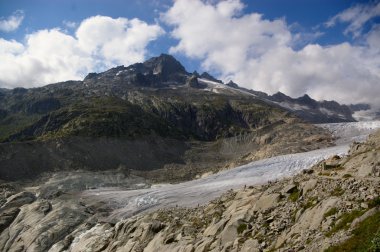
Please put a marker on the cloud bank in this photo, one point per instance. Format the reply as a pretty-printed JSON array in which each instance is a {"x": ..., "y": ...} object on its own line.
[
  {"x": 258, "y": 53},
  {"x": 49, "y": 56},
  {"x": 357, "y": 16},
  {"x": 12, "y": 22}
]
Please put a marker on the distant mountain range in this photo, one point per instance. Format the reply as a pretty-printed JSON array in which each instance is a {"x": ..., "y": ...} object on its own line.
[{"x": 309, "y": 109}]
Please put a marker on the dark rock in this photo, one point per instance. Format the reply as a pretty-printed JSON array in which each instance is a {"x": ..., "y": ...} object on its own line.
[
  {"x": 207, "y": 76},
  {"x": 306, "y": 100},
  {"x": 196, "y": 74},
  {"x": 19, "y": 200},
  {"x": 3, "y": 113},
  {"x": 91, "y": 76},
  {"x": 45, "y": 207},
  {"x": 166, "y": 66},
  {"x": 359, "y": 107},
  {"x": 193, "y": 82},
  {"x": 157, "y": 226},
  {"x": 170, "y": 239},
  {"x": 232, "y": 84},
  {"x": 19, "y": 91},
  {"x": 7, "y": 216},
  {"x": 44, "y": 106}
]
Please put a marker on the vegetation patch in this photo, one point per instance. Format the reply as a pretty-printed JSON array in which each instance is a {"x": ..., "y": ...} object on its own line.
[
  {"x": 294, "y": 196},
  {"x": 366, "y": 237},
  {"x": 344, "y": 221},
  {"x": 330, "y": 212},
  {"x": 338, "y": 191},
  {"x": 241, "y": 228},
  {"x": 310, "y": 203},
  {"x": 374, "y": 202},
  {"x": 347, "y": 175}
]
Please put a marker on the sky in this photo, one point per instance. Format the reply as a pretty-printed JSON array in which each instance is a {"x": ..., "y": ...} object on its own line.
[{"x": 329, "y": 49}]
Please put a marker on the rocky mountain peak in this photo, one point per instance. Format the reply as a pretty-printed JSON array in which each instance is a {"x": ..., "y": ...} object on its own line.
[
  {"x": 165, "y": 65},
  {"x": 280, "y": 97},
  {"x": 307, "y": 100},
  {"x": 232, "y": 84},
  {"x": 208, "y": 76}
]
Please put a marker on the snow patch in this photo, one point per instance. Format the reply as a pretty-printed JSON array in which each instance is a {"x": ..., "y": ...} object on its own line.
[
  {"x": 353, "y": 131},
  {"x": 292, "y": 106}
]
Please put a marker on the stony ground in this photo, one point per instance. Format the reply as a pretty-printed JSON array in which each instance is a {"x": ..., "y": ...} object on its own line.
[{"x": 312, "y": 211}]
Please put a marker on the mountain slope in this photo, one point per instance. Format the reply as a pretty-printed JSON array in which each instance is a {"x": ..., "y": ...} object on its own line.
[
  {"x": 145, "y": 104},
  {"x": 333, "y": 206}
]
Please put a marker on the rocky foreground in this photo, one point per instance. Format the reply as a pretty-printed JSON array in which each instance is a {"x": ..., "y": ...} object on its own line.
[{"x": 333, "y": 206}]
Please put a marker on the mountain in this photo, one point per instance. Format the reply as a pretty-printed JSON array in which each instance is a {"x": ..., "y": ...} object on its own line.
[
  {"x": 309, "y": 109},
  {"x": 152, "y": 118},
  {"x": 119, "y": 132}
]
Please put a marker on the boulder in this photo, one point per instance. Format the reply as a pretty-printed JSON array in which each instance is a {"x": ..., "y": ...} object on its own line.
[
  {"x": 266, "y": 202},
  {"x": 250, "y": 245}
]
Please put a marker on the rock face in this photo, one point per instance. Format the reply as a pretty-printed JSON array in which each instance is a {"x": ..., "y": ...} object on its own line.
[
  {"x": 207, "y": 76},
  {"x": 193, "y": 82},
  {"x": 312, "y": 110}
]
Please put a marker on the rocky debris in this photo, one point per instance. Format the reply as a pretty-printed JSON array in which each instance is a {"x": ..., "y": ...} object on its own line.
[{"x": 308, "y": 212}]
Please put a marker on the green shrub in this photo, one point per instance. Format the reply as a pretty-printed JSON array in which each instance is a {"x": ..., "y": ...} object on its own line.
[
  {"x": 294, "y": 196},
  {"x": 241, "y": 228},
  {"x": 338, "y": 191},
  {"x": 344, "y": 220},
  {"x": 330, "y": 212},
  {"x": 366, "y": 237},
  {"x": 374, "y": 202}
]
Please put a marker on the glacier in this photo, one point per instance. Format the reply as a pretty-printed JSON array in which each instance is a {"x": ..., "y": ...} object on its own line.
[{"x": 127, "y": 203}]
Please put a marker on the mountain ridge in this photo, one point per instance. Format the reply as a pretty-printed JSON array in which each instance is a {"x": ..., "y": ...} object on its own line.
[{"x": 155, "y": 100}]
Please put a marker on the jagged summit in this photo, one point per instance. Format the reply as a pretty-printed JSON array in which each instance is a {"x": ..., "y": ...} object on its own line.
[
  {"x": 165, "y": 64},
  {"x": 155, "y": 72},
  {"x": 208, "y": 76},
  {"x": 232, "y": 84}
]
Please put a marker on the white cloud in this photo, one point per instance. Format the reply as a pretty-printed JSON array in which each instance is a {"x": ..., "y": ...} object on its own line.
[
  {"x": 12, "y": 22},
  {"x": 69, "y": 24},
  {"x": 49, "y": 56},
  {"x": 257, "y": 53},
  {"x": 356, "y": 16},
  {"x": 226, "y": 42},
  {"x": 116, "y": 40}
]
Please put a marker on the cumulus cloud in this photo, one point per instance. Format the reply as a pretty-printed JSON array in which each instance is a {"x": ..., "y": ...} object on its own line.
[
  {"x": 225, "y": 41},
  {"x": 69, "y": 24},
  {"x": 49, "y": 56},
  {"x": 12, "y": 22},
  {"x": 356, "y": 16},
  {"x": 257, "y": 53}
]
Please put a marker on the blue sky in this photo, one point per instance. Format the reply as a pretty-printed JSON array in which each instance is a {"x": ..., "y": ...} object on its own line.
[{"x": 259, "y": 44}]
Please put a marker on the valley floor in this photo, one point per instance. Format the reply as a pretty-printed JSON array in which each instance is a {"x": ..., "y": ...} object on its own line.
[
  {"x": 299, "y": 209},
  {"x": 197, "y": 192}
]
